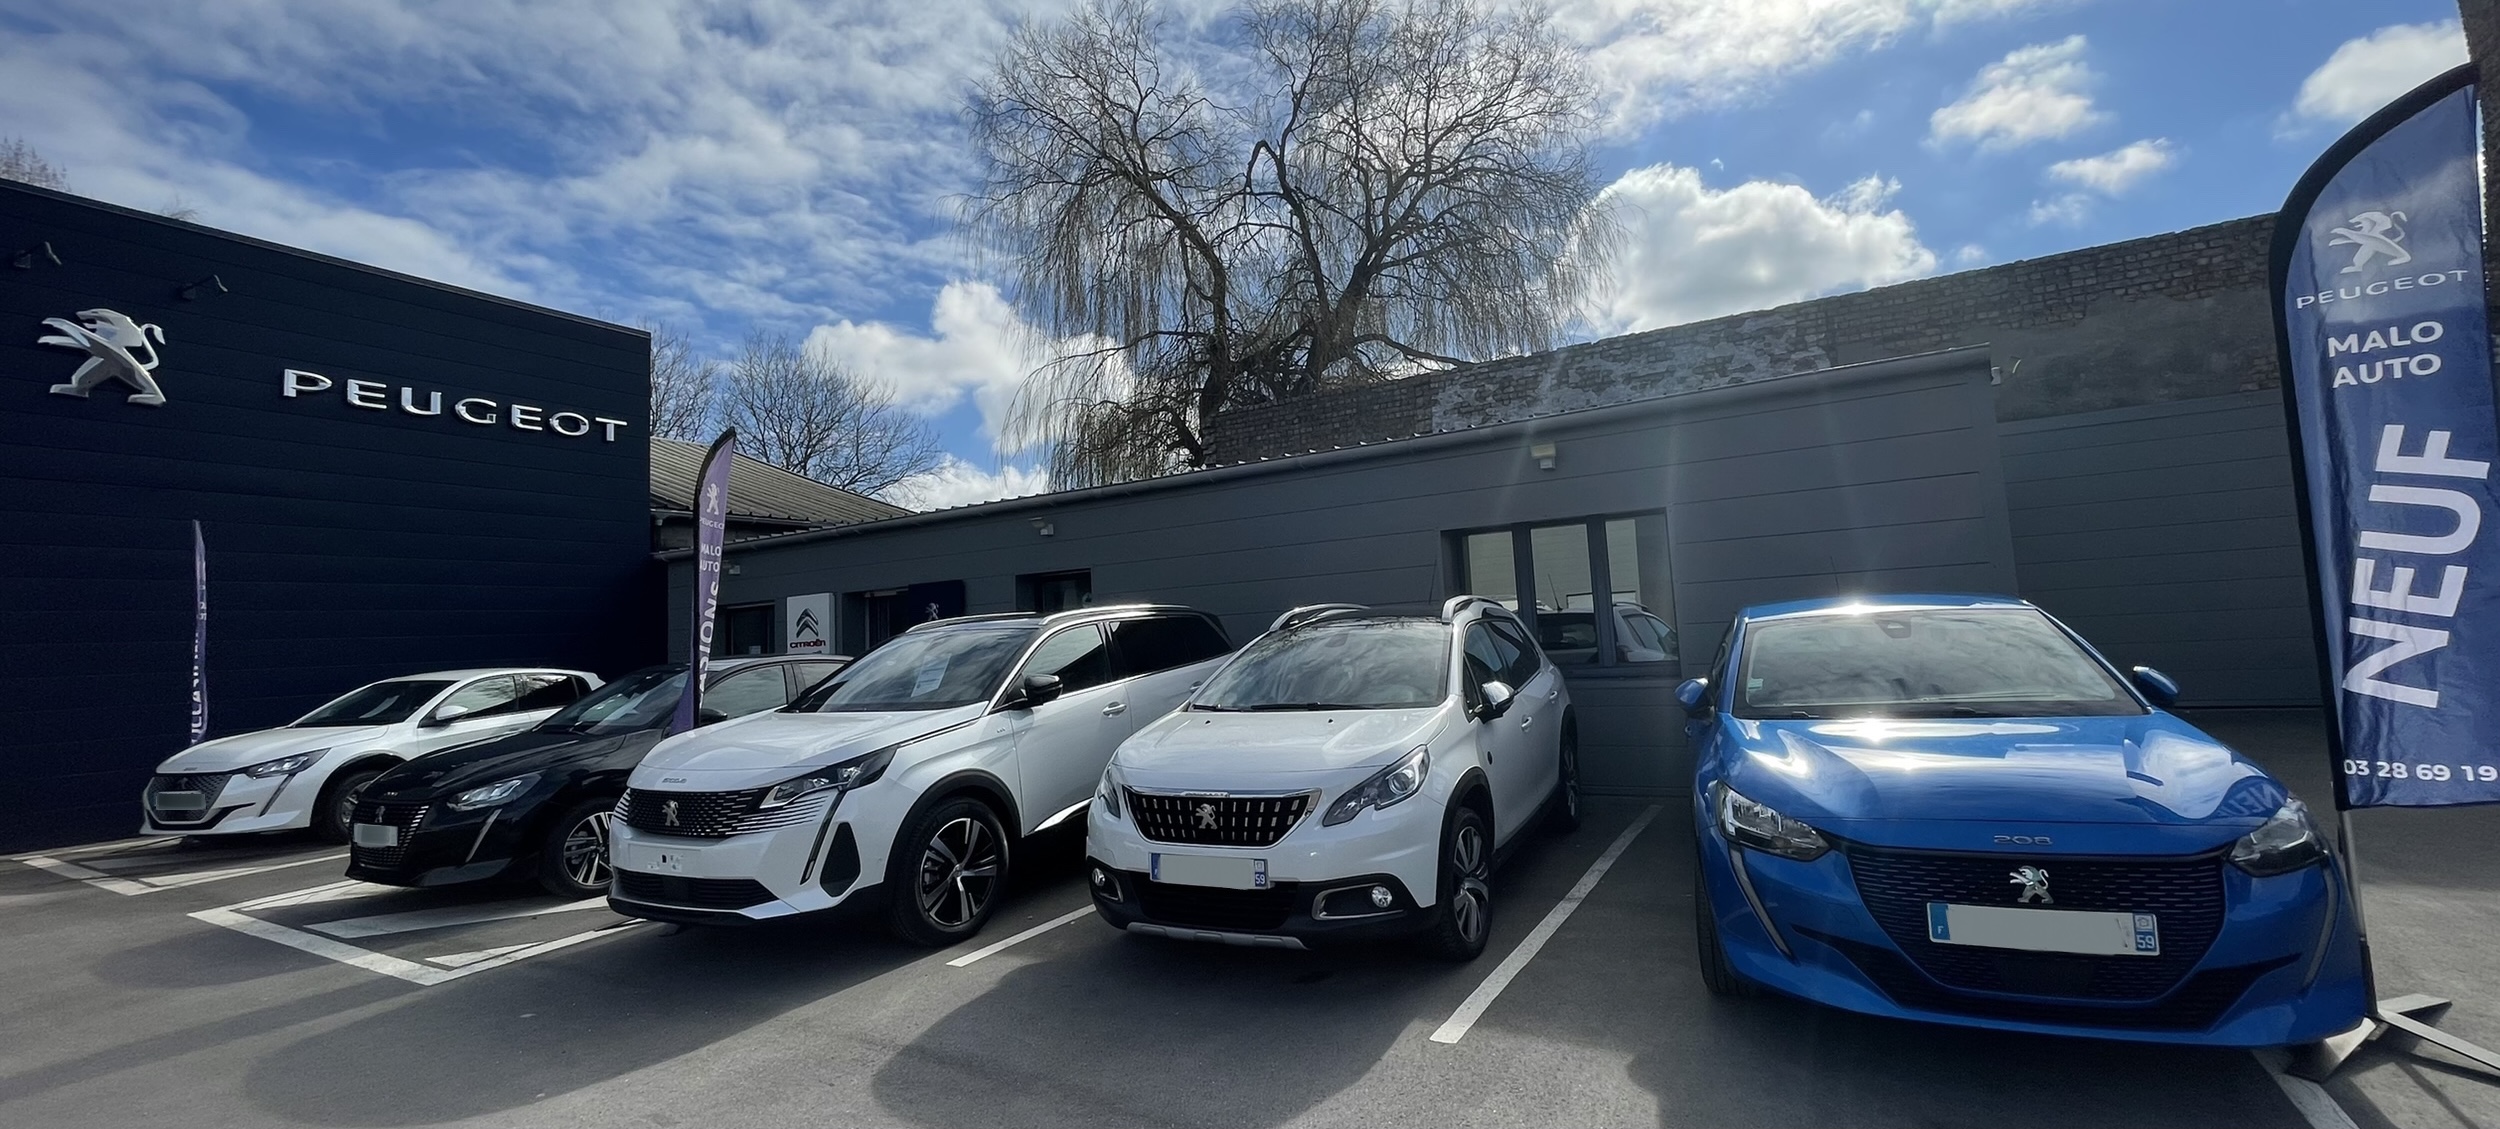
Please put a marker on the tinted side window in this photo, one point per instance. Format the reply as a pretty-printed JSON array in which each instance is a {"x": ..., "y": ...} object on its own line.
[
  {"x": 546, "y": 692},
  {"x": 1144, "y": 646},
  {"x": 1524, "y": 662},
  {"x": 485, "y": 697},
  {"x": 1077, "y": 655},
  {"x": 805, "y": 676},
  {"x": 1488, "y": 657},
  {"x": 748, "y": 691}
]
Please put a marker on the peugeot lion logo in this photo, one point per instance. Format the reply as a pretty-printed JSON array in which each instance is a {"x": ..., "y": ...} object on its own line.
[
  {"x": 668, "y": 812},
  {"x": 2035, "y": 884},
  {"x": 1206, "y": 817},
  {"x": 111, "y": 341},
  {"x": 2378, "y": 235}
]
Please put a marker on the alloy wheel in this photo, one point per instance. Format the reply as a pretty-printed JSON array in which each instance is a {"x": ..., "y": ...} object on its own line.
[
  {"x": 958, "y": 872},
  {"x": 1468, "y": 902},
  {"x": 1571, "y": 783},
  {"x": 586, "y": 850}
]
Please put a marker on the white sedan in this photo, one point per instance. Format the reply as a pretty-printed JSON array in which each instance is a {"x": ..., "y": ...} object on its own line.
[{"x": 307, "y": 774}]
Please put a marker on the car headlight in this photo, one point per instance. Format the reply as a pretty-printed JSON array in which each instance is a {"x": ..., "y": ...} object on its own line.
[
  {"x": 492, "y": 794},
  {"x": 1389, "y": 786},
  {"x": 1107, "y": 793},
  {"x": 285, "y": 766},
  {"x": 1762, "y": 827},
  {"x": 2286, "y": 842},
  {"x": 853, "y": 773}
]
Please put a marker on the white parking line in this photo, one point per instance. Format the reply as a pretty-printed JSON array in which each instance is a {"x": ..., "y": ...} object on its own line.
[
  {"x": 144, "y": 843},
  {"x": 1027, "y": 935},
  {"x": 1455, "y": 1028},
  {"x": 2316, "y": 1106},
  {"x": 152, "y": 883},
  {"x": 384, "y": 924},
  {"x": 461, "y": 964},
  {"x": 95, "y": 878}
]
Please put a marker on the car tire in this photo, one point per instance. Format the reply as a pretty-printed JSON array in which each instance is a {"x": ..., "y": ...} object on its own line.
[
  {"x": 1463, "y": 919},
  {"x": 946, "y": 872},
  {"x": 1566, "y": 802},
  {"x": 573, "y": 851},
  {"x": 334, "y": 815},
  {"x": 1717, "y": 974}
]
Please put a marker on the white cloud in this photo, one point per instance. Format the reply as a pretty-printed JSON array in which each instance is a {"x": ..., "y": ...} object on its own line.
[
  {"x": 1663, "y": 57},
  {"x": 2034, "y": 93},
  {"x": 2118, "y": 170},
  {"x": 1696, "y": 252},
  {"x": 959, "y": 483},
  {"x": 2066, "y": 210},
  {"x": 1969, "y": 255},
  {"x": 2367, "y": 73},
  {"x": 977, "y": 347}
]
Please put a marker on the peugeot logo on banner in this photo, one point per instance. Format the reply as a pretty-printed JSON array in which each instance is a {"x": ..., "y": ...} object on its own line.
[
  {"x": 112, "y": 342},
  {"x": 2377, "y": 235},
  {"x": 2035, "y": 883}
]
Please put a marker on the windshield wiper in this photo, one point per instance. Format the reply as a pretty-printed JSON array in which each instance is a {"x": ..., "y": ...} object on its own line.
[{"x": 1280, "y": 707}]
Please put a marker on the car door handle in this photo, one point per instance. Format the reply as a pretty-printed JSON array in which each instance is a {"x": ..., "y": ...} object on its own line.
[
  {"x": 1527, "y": 721},
  {"x": 1115, "y": 709}
]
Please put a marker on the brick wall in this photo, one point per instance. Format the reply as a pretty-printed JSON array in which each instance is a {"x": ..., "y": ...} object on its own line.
[{"x": 2169, "y": 317}]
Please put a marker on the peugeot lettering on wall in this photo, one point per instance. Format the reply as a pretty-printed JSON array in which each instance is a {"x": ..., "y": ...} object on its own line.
[
  {"x": 2377, "y": 235},
  {"x": 112, "y": 342}
]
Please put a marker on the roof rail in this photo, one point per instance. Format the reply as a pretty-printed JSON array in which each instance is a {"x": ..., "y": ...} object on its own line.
[
  {"x": 984, "y": 617},
  {"x": 1457, "y": 604},
  {"x": 1308, "y": 612}
]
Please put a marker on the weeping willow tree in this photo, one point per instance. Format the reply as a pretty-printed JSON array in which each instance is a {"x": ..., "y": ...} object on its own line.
[{"x": 1317, "y": 193}]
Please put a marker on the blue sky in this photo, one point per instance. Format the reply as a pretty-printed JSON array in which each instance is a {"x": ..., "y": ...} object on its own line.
[{"x": 791, "y": 166}]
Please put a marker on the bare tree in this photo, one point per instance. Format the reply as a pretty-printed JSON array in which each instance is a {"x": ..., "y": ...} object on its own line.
[
  {"x": 20, "y": 162},
  {"x": 1382, "y": 186},
  {"x": 684, "y": 387},
  {"x": 802, "y": 411}
]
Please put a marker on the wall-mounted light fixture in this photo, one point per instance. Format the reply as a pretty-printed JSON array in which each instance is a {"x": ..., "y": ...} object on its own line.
[
  {"x": 1543, "y": 453},
  {"x": 206, "y": 285},
  {"x": 731, "y": 568},
  {"x": 25, "y": 260},
  {"x": 1044, "y": 527}
]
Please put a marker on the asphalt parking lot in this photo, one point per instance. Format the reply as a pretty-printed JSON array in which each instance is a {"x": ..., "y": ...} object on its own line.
[{"x": 250, "y": 985}]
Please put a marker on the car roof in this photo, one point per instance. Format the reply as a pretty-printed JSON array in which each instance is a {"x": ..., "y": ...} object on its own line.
[
  {"x": 1090, "y": 611},
  {"x": 482, "y": 671},
  {"x": 1842, "y": 605}
]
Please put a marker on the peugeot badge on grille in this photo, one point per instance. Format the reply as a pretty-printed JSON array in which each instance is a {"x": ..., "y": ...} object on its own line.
[
  {"x": 1206, "y": 817},
  {"x": 2035, "y": 883},
  {"x": 668, "y": 812}
]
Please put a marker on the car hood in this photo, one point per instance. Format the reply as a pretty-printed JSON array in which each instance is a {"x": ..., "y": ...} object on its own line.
[
  {"x": 2152, "y": 772},
  {"x": 1198, "y": 749},
  {"x": 225, "y": 754},
  {"x": 431, "y": 777},
  {"x": 765, "y": 748}
]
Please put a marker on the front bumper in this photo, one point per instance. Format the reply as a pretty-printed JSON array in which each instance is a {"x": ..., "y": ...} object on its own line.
[
  {"x": 442, "y": 847},
  {"x": 2282, "y": 968},
  {"x": 236, "y": 805},
  {"x": 823, "y": 860},
  {"x": 1397, "y": 849}
]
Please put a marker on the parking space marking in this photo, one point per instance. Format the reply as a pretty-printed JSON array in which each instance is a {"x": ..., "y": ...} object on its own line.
[
  {"x": 150, "y": 884},
  {"x": 2316, "y": 1106},
  {"x": 333, "y": 892},
  {"x": 1027, "y": 935},
  {"x": 456, "y": 965},
  {"x": 384, "y": 924},
  {"x": 1455, "y": 1028},
  {"x": 148, "y": 842}
]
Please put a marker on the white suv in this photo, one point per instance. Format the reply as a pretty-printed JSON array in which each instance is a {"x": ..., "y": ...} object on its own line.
[
  {"x": 1352, "y": 773},
  {"x": 307, "y": 774},
  {"x": 916, "y": 769}
]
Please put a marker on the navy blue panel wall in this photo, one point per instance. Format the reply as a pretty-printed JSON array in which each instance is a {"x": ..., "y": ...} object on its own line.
[{"x": 347, "y": 542}]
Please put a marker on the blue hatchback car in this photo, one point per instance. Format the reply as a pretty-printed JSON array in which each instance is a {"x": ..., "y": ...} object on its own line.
[{"x": 1953, "y": 809}]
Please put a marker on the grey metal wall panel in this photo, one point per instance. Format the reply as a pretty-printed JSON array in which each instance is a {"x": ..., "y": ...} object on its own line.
[
  {"x": 1882, "y": 477},
  {"x": 2166, "y": 533}
]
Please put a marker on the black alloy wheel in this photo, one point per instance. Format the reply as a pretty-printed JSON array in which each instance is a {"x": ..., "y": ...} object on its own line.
[
  {"x": 573, "y": 855},
  {"x": 1465, "y": 916},
  {"x": 334, "y": 815},
  {"x": 946, "y": 873},
  {"x": 1567, "y": 784}
]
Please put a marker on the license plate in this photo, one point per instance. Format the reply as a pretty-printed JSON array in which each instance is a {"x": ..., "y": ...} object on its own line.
[
  {"x": 1208, "y": 870},
  {"x": 2087, "y": 932},
  {"x": 659, "y": 860},
  {"x": 376, "y": 835},
  {"x": 182, "y": 801}
]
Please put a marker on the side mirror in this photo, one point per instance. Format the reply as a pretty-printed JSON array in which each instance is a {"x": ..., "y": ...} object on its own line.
[
  {"x": 706, "y": 715},
  {"x": 1033, "y": 691},
  {"x": 1497, "y": 697},
  {"x": 2158, "y": 688},
  {"x": 448, "y": 714},
  {"x": 1694, "y": 696}
]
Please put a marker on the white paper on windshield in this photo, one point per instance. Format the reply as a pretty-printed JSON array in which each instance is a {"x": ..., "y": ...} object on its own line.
[{"x": 931, "y": 673}]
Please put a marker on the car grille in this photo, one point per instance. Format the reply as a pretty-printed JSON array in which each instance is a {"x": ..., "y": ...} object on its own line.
[
  {"x": 2197, "y": 1005},
  {"x": 406, "y": 817},
  {"x": 1232, "y": 821},
  {"x": 699, "y": 815},
  {"x": 209, "y": 786},
  {"x": 691, "y": 893},
  {"x": 1206, "y": 907},
  {"x": 2186, "y": 892}
]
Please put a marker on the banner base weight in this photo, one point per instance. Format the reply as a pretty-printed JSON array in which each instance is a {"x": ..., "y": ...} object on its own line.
[{"x": 2411, "y": 1015}]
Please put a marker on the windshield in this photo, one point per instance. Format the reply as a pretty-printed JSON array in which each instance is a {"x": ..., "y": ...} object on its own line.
[
  {"x": 382, "y": 703},
  {"x": 1925, "y": 662},
  {"x": 1362, "y": 664},
  {"x": 923, "y": 670},
  {"x": 641, "y": 700}
]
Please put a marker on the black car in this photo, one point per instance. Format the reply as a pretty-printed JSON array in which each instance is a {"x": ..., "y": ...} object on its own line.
[{"x": 537, "y": 802}]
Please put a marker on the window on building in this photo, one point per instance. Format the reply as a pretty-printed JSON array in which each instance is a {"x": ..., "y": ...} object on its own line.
[
  {"x": 743, "y": 630},
  {"x": 1597, "y": 590},
  {"x": 1047, "y": 592}
]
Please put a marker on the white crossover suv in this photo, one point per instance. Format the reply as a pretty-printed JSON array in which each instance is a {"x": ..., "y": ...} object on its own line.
[
  {"x": 1350, "y": 774},
  {"x": 307, "y": 773},
  {"x": 916, "y": 771}
]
